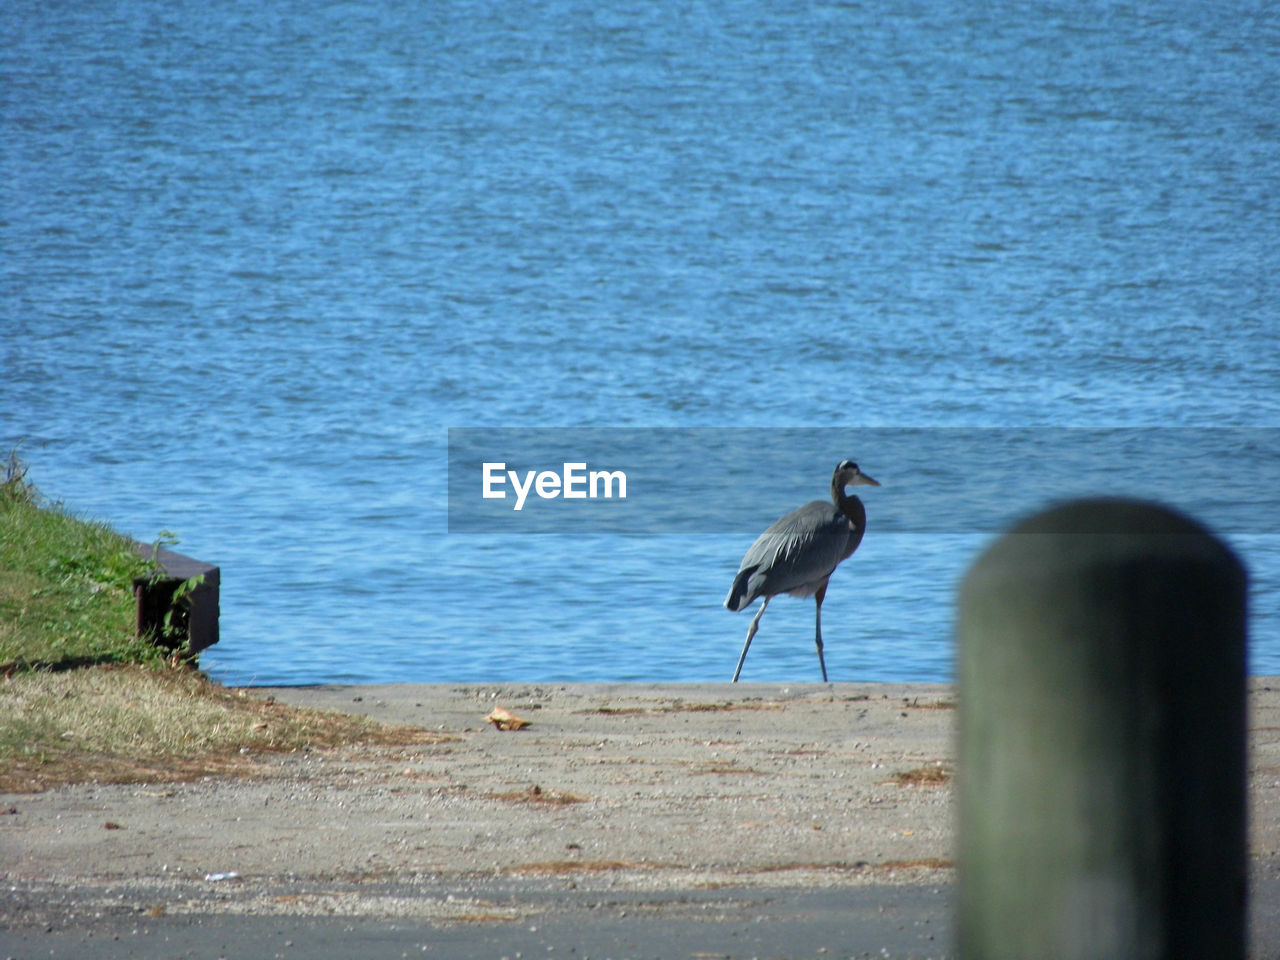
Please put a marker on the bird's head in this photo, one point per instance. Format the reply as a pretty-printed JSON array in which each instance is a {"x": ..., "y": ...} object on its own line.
[{"x": 848, "y": 475}]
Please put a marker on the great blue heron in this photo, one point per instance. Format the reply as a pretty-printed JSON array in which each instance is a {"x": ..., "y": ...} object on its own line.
[{"x": 799, "y": 552}]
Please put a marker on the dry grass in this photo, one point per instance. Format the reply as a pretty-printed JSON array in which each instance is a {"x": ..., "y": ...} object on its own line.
[
  {"x": 535, "y": 794},
  {"x": 913, "y": 703},
  {"x": 128, "y": 724},
  {"x": 931, "y": 776},
  {"x": 724, "y": 770}
]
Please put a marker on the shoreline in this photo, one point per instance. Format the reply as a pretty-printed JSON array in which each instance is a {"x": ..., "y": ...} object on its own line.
[{"x": 687, "y": 797}]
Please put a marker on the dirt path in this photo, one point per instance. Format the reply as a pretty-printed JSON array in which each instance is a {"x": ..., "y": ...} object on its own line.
[{"x": 662, "y": 793}]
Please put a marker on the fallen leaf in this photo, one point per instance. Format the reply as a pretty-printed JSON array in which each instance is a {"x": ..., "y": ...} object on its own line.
[{"x": 504, "y": 719}]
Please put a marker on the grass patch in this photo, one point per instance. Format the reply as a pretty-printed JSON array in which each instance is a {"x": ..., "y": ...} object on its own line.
[
  {"x": 931, "y": 776},
  {"x": 913, "y": 703},
  {"x": 130, "y": 724},
  {"x": 66, "y": 585},
  {"x": 82, "y": 698}
]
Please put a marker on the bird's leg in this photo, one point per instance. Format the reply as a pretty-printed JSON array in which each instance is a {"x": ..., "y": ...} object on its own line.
[
  {"x": 817, "y": 628},
  {"x": 751, "y": 632}
]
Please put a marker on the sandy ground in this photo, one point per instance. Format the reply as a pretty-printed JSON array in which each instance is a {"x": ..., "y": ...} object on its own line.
[{"x": 707, "y": 820}]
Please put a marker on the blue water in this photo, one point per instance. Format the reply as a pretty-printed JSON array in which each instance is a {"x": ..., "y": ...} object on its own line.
[{"x": 258, "y": 258}]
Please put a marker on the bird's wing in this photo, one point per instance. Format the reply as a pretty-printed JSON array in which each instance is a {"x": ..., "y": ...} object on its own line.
[{"x": 798, "y": 550}]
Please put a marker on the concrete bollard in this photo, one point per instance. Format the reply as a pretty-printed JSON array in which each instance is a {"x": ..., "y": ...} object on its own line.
[{"x": 1101, "y": 780}]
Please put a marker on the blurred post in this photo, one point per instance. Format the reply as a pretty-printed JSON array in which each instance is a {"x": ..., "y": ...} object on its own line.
[{"x": 1101, "y": 783}]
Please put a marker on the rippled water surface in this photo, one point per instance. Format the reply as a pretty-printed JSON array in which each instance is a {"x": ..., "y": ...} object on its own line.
[{"x": 258, "y": 259}]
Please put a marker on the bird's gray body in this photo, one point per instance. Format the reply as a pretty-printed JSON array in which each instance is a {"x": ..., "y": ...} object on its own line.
[{"x": 798, "y": 553}]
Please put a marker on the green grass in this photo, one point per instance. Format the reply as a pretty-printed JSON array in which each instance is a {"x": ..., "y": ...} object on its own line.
[
  {"x": 82, "y": 698},
  {"x": 66, "y": 585}
]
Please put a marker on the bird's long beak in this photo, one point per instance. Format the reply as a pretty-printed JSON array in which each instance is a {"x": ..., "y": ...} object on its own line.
[{"x": 863, "y": 480}]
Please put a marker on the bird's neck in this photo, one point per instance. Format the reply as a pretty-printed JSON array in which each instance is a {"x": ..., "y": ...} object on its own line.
[{"x": 852, "y": 508}]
